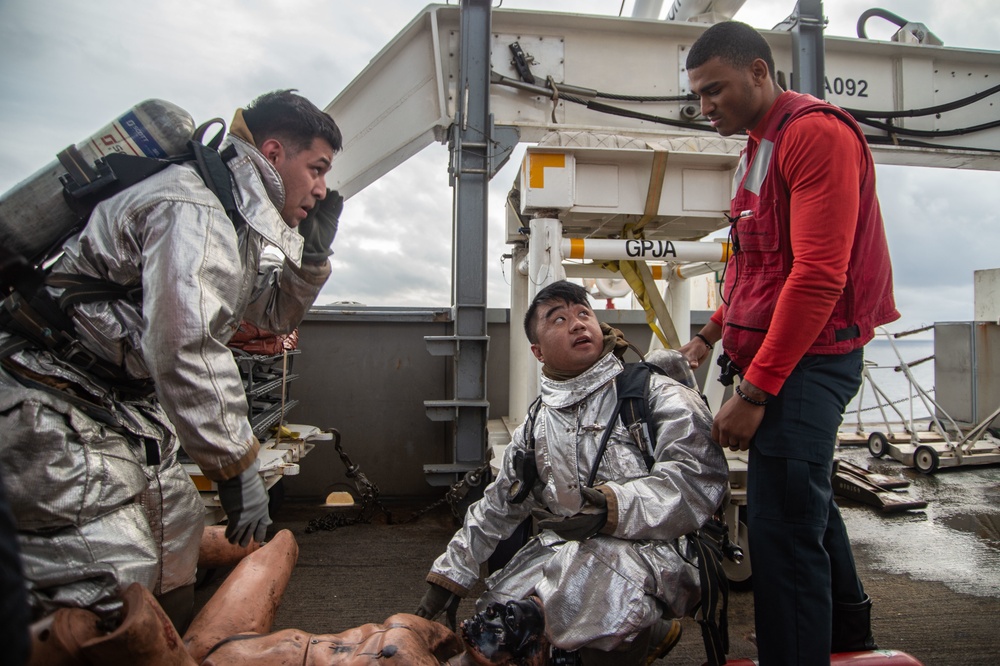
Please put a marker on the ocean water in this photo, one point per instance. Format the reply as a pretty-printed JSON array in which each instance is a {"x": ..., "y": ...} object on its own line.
[{"x": 882, "y": 362}]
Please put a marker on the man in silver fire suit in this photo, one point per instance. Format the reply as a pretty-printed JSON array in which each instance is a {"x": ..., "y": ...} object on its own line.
[
  {"x": 610, "y": 560},
  {"x": 92, "y": 466}
]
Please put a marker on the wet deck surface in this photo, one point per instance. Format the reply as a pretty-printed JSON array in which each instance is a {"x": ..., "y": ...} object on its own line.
[{"x": 934, "y": 574}]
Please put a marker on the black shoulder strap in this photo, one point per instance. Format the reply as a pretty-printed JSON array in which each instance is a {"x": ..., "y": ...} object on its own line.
[
  {"x": 79, "y": 289},
  {"x": 529, "y": 429},
  {"x": 212, "y": 168},
  {"x": 525, "y": 470},
  {"x": 129, "y": 170},
  {"x": 632, "y": 389}
]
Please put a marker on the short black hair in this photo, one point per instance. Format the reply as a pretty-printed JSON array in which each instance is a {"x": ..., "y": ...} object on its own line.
[
  {"x": 737, "y": 44},
  {"x": 292, "y": 119},
  {"x": 568, "y": 292}
]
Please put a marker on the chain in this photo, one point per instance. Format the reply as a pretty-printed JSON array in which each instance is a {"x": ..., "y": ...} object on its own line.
[
  {"x": 416, "y": 514},
  {"x": 368, "y": 494},
  {"x": 371, "y": 505}
]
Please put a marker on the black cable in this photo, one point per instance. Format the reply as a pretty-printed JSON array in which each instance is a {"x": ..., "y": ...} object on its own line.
[
  {"x": 862, "y": 116},
  {"x": 642, "y": 98},
  {"x": 890, "y": 141},
  {"x": 892, "y": 129},
  {"x": 929, "y": 111},
  {"x": 627, "y": 113}
]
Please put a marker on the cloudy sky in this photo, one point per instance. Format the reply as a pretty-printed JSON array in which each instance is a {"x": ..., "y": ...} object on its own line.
[{"x": 69, "y": 67}]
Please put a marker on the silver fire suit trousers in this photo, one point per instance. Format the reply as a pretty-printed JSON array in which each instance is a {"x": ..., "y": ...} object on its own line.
[{"x": 98, "y": 494}]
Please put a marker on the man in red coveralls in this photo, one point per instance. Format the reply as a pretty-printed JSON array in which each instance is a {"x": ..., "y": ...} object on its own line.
[{"x": 808, "y": 282}]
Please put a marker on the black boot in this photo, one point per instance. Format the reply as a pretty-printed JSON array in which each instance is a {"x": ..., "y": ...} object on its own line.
[{"x": 852, "y": 627}]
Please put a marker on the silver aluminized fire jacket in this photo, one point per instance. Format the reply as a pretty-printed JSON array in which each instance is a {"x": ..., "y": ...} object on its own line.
[
  {"x": 604, "y": 590},
  {"x": 95, "y": 510}
]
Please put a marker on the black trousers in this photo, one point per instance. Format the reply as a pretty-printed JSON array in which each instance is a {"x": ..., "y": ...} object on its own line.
[{"x": 802, "y": 559}]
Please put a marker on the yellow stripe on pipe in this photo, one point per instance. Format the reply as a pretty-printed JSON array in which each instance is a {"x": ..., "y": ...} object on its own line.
[
  {"x": 657, "y": 271},
  {"x": 537, "y": 162},
  {"x": 576, "y": 248}
]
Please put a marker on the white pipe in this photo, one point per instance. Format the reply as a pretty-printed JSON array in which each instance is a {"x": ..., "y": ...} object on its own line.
[
  {"x": 544, "y": 254},
  {"x": 647, "y": 9},
  {"x": 664, "y": 250},
  {"x": 694, "y": 270},
  {"x": 544, "y": 265},
  {"x": 686, "y": 10},
  {"x": 521, "y": 370},
  {"x": 683, "y": 10},
  {"x": 678, "y": 298}
]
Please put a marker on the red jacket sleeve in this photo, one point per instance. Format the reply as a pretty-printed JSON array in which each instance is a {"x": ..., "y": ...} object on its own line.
[{"x": 821, "y": 160}]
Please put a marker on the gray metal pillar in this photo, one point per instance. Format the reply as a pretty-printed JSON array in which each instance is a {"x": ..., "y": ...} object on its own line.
[
  {"x": 808, "y": 54},
  {"x": 471, "y": 153}
]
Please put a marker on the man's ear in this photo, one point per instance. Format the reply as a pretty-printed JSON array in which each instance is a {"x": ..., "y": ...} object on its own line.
[
  {"x": 759, "y": 71},
  {"x": 537, "y": 351},
  {"x": 273, "y": 151}
]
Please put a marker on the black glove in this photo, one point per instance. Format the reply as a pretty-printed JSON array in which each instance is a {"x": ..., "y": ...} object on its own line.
[
  {"x": 244, "y": 499},
  {"x": 592, "y": 517},
  {"x": 320, "y": 227},
  {"x": 437, "y": 599}
]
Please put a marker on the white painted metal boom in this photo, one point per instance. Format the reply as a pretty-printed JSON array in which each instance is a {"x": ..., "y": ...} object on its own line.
[{"x": 405, "y": 99}]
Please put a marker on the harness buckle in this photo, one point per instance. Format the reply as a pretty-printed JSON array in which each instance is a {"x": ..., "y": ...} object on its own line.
[
  {"x": 74, "y": 352},
  {"x": 729, "y": 370}
]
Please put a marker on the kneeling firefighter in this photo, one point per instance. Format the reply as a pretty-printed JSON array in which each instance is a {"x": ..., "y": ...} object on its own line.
[{"x": 119, "y": 359}]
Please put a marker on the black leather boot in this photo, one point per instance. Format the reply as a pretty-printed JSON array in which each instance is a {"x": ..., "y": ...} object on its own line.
[{"x": 852, "y": 627}]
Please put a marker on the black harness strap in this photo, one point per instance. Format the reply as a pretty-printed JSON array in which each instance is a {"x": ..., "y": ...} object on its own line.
[
  {"x": 604, "y": 444},
  {"x": 525, "y": 469},
  {"x": 632, "y": 389},
  {"x": 213, "y": 170},
  {"x": 12, "y": 345},
  {"x": 79, "y": 289},
  {"x": 714, "y": 616},
  {"x": 34, "y": 325}
]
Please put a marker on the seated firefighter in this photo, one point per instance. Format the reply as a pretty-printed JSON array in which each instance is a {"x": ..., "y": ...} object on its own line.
[{"x": 611, "y": 564}]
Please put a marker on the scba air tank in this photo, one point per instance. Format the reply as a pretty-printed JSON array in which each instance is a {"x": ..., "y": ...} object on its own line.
[{"x": 34, "y": 214}]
